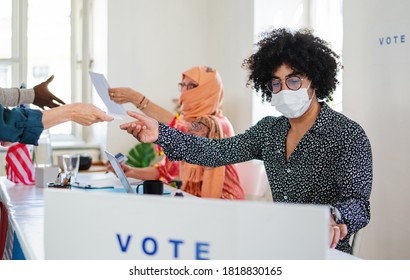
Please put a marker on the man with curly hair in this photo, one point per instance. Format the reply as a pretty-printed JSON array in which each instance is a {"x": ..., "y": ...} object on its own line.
[{"x": 312, "y": 154}]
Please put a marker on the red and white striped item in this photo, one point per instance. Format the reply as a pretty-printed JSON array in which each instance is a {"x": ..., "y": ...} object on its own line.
[{"x": 20, "y": 167}]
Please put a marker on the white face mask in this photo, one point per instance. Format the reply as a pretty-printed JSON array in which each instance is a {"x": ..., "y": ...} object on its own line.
[{"x": 291, "y": 103}]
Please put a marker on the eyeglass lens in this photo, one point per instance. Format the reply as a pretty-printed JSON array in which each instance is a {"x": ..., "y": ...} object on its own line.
[
  {"x": 187, "y": 86},
  {"x": 292, "y": 82}
]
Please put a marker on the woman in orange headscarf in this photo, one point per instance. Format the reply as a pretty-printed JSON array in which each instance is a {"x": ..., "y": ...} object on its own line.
[{"x": 201, "y": 100}]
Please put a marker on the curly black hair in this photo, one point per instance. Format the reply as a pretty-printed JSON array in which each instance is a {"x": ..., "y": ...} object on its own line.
[{"x": 300, "y": 50}]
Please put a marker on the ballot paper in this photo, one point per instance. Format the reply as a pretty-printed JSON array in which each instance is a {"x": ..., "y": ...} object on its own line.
[
  {"x": 100, "y": 180},
  {"x": 101, "y": 86}
]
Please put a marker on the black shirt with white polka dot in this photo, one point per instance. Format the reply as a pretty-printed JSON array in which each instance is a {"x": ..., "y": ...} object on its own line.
[{"x": 331, "y": 165}]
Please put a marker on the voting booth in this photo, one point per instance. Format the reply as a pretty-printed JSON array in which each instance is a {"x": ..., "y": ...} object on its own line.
[{"x": 89, "y": 225}]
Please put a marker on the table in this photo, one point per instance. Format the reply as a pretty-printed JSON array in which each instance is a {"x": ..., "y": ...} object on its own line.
[{"x": 25, "y": 206}]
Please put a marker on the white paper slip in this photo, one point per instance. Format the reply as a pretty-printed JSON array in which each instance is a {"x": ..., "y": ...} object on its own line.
[{"x": 101, "y": 86}]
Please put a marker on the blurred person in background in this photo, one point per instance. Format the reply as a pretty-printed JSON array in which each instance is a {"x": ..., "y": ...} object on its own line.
[{"x": 201, "y": 114}]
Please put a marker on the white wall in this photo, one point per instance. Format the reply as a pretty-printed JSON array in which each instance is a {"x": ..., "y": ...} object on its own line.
[
  {"x": 230, "y": 42},
  {"x": 376, "y": 94},
  {"x": 150, "y": 43}
]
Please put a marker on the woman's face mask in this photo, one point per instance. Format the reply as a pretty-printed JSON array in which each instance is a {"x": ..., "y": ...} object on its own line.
[{"x": 292, "y": 103}]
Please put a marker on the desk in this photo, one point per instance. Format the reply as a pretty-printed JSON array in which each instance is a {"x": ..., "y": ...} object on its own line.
[
  {"x": 26, "y": 217},
  {"x": 25, "y": 206}
]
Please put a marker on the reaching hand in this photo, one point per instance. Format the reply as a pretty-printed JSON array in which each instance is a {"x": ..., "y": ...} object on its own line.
[
  {"x": 124, "y": 95},
  {"x": 81, "y": 113},
  {"x": 87, "y": 114},
  {"x": 43, "y": 97},
  {"x": 145, "y": 129}
]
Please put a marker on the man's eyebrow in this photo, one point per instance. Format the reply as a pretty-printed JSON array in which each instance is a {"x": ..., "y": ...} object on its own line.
[{"x": 294, "y": 73}]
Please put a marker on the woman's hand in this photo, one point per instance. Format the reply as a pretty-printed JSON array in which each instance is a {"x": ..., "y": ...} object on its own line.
[
  {"x": 144, "y": 129},
  {"x": 125, "y": 95},
  {"x": 127, "y": 169},
  {"x": 144, "y": 173},
  {"x": 87, "y": 114},
  {"x": 81, "y": 113},
  {"x": 5, "y": 143}
]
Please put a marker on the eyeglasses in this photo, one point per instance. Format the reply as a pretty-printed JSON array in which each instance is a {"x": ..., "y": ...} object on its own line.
[
  {"x": 292, "y": 82},
  {"x": 187, "y": 86}
]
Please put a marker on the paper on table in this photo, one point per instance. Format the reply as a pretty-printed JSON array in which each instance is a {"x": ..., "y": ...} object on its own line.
[
  {"x": 102, "y": 180},
  {"x": 101, "y": 86},
  {"x": 100, "y": 183}
]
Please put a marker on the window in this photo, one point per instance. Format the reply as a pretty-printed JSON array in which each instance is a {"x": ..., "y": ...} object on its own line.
[
  {"x": 6, "y": 61},
  {"x": 41, "y": 38},
  {"x": 323, "y": 16}
]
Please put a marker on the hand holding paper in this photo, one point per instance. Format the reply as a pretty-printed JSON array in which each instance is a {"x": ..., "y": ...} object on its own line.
[{"x": 101, "y": 86}]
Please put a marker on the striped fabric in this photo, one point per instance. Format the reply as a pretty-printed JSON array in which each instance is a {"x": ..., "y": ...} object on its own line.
[
  {"x": 8, "y": 248},
  {"x": 19, "y": 164},
  {"x": 3, "y": 228}
]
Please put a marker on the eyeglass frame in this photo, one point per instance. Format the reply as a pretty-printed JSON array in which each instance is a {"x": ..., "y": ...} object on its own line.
[
  {"x": 285, "y": 79},
  {"x": 188, "y": 86}
]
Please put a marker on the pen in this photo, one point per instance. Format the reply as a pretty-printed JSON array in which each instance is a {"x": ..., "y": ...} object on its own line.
[
  {"x": 99, "y": 188},
  {"x": 89, "y": 187}
]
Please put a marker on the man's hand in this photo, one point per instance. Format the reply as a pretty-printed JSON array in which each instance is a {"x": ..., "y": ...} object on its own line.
[
  {"x": 44, "y": 98},
  {"x": 337, "y": 232},
  {"x": 145, "y": 129}
]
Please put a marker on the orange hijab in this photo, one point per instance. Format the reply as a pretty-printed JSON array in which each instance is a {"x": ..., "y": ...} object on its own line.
[
  {"x": 204, "y": 104},
  {"x": 206, "y": 98}
]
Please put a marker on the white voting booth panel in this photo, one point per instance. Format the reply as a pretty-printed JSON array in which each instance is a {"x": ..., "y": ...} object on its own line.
[{"x": 83, "y": 225}]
